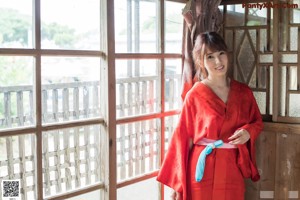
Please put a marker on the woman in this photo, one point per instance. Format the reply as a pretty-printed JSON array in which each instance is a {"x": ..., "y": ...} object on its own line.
[{"x": 219, "y": 116}]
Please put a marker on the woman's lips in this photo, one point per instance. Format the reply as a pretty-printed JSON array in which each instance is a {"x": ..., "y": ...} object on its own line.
[{"x": 220, "y": 67}]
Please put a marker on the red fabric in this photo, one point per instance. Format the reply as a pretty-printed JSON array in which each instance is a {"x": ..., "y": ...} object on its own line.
[
  {"x": 222, "y": 178},
  {"x": 204, "y": 114}
]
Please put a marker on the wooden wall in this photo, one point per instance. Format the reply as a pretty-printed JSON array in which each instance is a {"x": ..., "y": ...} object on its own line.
[{"x": 278, "y": 160}]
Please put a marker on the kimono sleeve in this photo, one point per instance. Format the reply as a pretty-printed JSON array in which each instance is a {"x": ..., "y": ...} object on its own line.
[
  {"x": 174, "y": 167},
  {"x": 254, "y": 127}
]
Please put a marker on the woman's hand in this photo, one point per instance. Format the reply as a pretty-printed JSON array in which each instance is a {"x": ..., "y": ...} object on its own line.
[
  {"x": 175, "y": 196},
  {"x": 240, "y": 136}
]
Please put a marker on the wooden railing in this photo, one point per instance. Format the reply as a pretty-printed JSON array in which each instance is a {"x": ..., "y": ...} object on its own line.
[
  {"x": 71, "y": 156},
  {"x": 60, "y": 102},
  {"x": 70, "y": 101},
  {"x": 138, "y": 142},
  {"x": 141, "y": 95},
  {"x": 13, "y": 113},
  {"x": 79, "y": 100}
]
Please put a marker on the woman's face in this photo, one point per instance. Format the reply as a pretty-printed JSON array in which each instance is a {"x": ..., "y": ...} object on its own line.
[{"x": 216, "y": 63}]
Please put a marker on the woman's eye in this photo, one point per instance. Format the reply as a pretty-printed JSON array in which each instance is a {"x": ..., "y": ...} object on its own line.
[
  {"x": 209, "y": 57},
  {"x": 222, "y": 52}
]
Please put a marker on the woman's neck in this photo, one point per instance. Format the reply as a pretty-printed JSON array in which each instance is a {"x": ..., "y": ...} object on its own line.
[{"x": 222, "y": 81}]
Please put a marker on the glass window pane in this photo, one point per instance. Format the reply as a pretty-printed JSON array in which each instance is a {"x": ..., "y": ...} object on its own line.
[
  {"x": 256, "y": 16},
  {"x": 146, "y": 190},
  {"x": 288, "y": 58},
  {"x": 136, "y": 26},
  {"x": 18, "y": 159},
  {"x": 71, "y": 159},
  {"x": 282, "y": 95},
  {"x": 293, "y": 77},
  {"x": 173, "y": 27},
  {"x": 137, "y": 148},
  {"x": 263, "y": 43},
  {"x": 294, "y": 109},
  {"x": 271, "y": 91},
  {"x": 235, "y": 15},
  {"x": 261, "y": 101},
  {"x": 70, "y": 24},
  {"x": 266, "y": 58},
  {"x": 16, "y": 91},
  {"x": 294, "y": 38},
  {"x": 262, "y": 77},
  {"x": 170, "y": 124},
  {"x": 167, "y": 192},
  {"x": 137, "y": 87},
  {"x": 295, "y": 16},
  {"x": 172, "y": 84},
  {"x": 16, "y": 24},
  {"x": 70, "y": 88}
]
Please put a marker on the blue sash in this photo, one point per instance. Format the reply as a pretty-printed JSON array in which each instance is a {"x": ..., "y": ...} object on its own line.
[{"x": 201, "y": 160}]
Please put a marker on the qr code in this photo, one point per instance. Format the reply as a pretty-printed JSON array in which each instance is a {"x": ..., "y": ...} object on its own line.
[{"x": 10, "y": 189}]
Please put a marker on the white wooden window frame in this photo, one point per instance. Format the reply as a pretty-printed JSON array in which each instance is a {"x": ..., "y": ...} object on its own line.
[{"x": 107, "y": 56}]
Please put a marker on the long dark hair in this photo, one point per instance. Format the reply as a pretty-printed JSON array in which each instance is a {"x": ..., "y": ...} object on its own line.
[{"x": 206, "y": 41}]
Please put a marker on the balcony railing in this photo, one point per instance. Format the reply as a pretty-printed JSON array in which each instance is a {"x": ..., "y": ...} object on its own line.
[
  {"x": 57, "y": 105},
  {"x": 71, "y": 156},
  {"x": 14, "y": 115}
]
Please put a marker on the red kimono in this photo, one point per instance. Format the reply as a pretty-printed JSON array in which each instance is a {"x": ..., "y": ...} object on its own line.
[{"x": 205, "y": 115}]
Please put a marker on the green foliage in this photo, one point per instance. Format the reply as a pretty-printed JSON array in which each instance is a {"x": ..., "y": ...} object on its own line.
[
  {"x": 14, "y": 71},
  {"x": 18, "y": 70},
  {"x": 14, "y": 26},
  {"x": 61, "y": 35}
]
